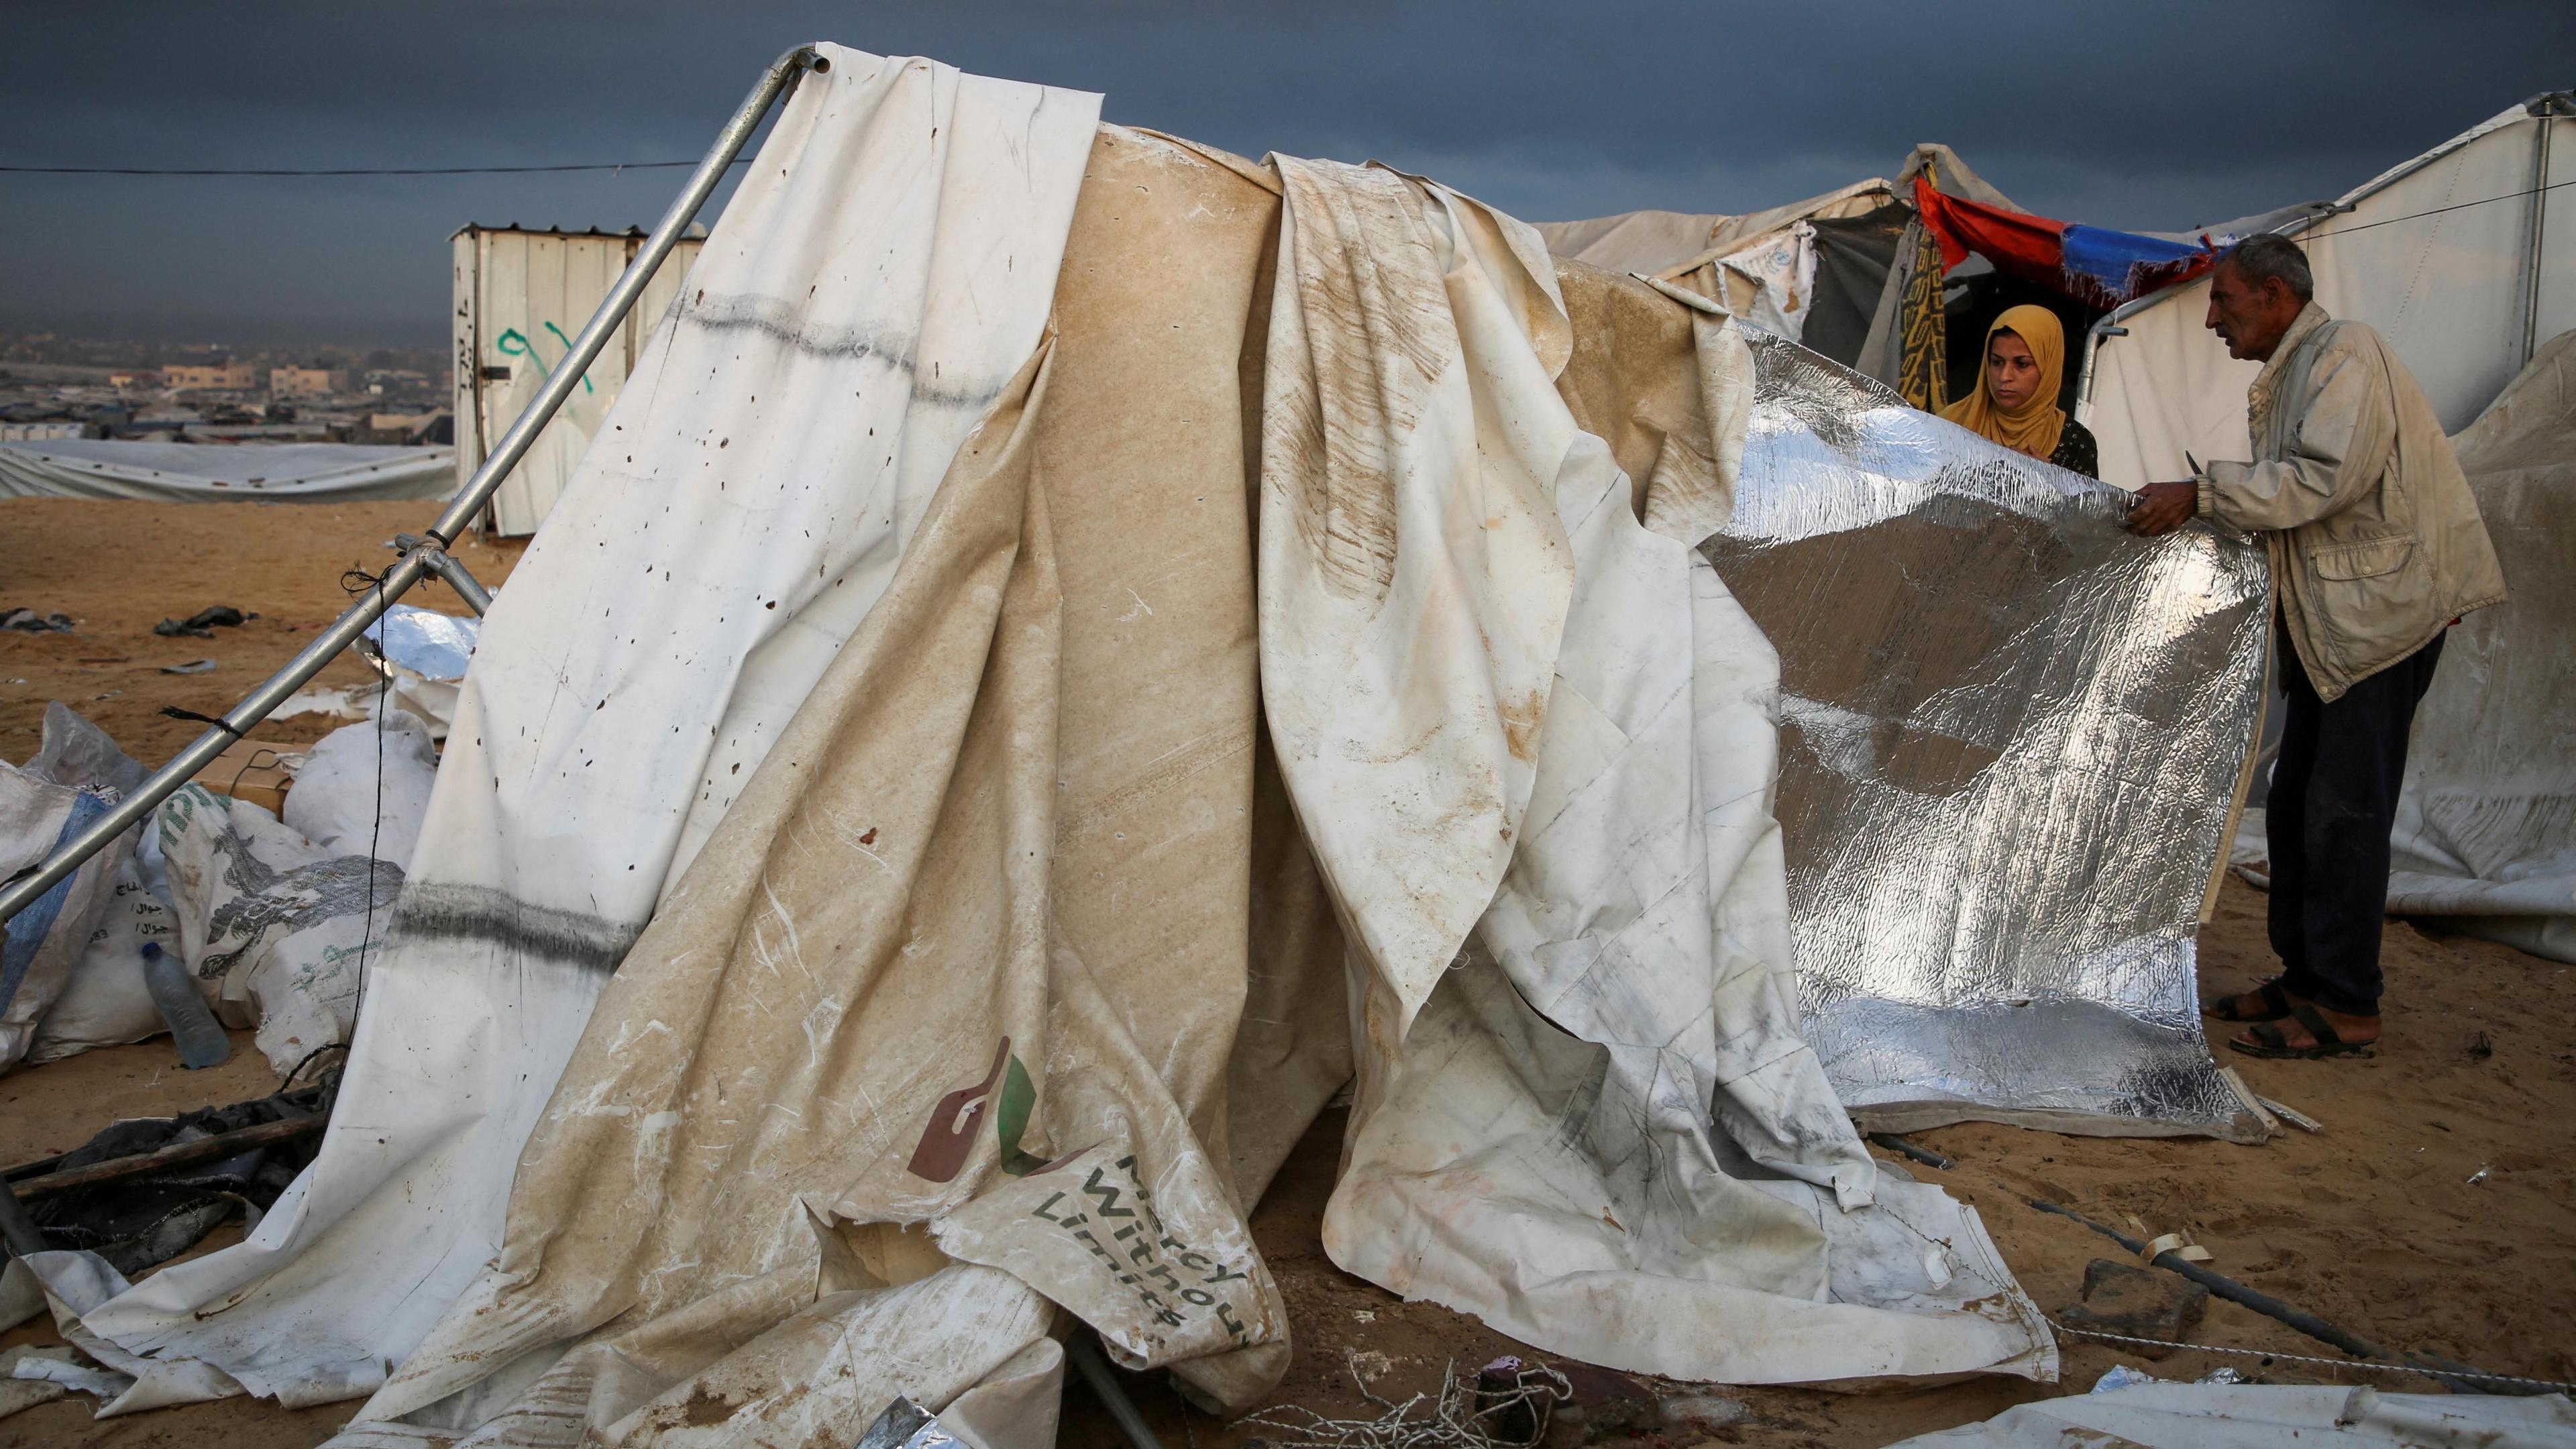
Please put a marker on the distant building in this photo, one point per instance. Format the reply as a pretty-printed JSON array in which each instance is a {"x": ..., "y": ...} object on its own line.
[
  {"x": 228, "y": 376},
  {"x": 44, "y": 432},
  {"x": 435, "y": 425},
  {"x": 133, "y": 379},
  {"x": 307, "y": 381}
]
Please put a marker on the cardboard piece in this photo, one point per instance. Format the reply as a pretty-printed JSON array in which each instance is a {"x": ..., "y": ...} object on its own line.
[{"x": 254, "y": 772}]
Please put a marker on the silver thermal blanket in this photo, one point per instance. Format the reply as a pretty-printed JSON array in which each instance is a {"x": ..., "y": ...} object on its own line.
[{"x": 2010, "y": 739}]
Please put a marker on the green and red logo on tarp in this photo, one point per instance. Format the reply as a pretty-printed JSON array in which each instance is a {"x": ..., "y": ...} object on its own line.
[{"x": 948, "y": 1139}]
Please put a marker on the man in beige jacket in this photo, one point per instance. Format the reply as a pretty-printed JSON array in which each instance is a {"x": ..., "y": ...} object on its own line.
[{"x": 2376, "y": 549}]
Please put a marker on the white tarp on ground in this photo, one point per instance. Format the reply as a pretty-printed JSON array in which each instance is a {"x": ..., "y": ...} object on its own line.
[
  {"x": 213, "y": 473},
  {"x": 2268, "y": 1416},
  {"x": 2486, "y": 828},
  {"x": 882, "y": 273},
  {"x": 2437, "y": 254}
]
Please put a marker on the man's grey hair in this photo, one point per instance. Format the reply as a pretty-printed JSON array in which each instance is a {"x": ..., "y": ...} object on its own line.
[{"x": 2266, "y": 255}]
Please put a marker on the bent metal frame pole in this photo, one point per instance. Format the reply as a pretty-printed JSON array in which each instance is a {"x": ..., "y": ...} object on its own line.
[{"x": 419, "y": 562}]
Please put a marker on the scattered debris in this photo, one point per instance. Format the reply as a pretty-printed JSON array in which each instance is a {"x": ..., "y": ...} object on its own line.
[
  {"x": 28, "y": 621},
  {"x": 26, "y": 1391},
  {"x": 907, "y": 1425},
  {"x": 1461, "y": 1416},
  {"x": 1517, "y": 1416},
  {"x": 338, "y": 700},
  {"x": 193, "y": 666},
  {"x": 2479, "y": 1176},
  {"x": 131, "y": 1196},
  {"x": 203, "y": 623},
  {"x": 2291, "y": 1115},
  {"x": 1600, "y": 1403},
  {"x": 2482, "y": 1048},
  {"x": 2136, "y": 1302},
  {"x": 2180, "y": 1245}
]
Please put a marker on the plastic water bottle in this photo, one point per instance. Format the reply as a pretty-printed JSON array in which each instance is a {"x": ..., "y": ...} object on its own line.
[{"x": 201, "y": 1038}]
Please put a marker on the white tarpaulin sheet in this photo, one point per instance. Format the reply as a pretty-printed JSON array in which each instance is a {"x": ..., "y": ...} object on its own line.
[
  {"x": 2268, "y": 1416},
  {"x": 2486, "y": 829},
  {"x": 213, "y": 472},
  {"x": 882, "y": 273},
  {"x": 2446, "y": 256}
]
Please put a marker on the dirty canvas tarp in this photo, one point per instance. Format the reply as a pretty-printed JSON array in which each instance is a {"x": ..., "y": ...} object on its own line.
[
  {"x": 881, "y": 274},
  {"x": 1518, "y": 721},
  {"x": 940, "y": 1017},
  {"x": 218, "y": 472},
  {"x": 2011, "y": 734},
  {"x": 2486, "y": 829}
]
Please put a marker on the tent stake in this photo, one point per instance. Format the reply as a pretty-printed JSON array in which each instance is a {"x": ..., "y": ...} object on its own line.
[{"x": 24, "y": 890}]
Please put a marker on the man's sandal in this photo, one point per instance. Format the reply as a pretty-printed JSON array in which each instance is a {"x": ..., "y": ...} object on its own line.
[
  {"x": 2271, "y": 1041},
  {"x": 2276, "y": 1004}
]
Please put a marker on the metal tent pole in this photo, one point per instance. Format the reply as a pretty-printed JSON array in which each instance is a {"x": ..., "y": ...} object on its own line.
[
  {"x": 2546, "y": 109},
  {"x": 417, "y": 563}
]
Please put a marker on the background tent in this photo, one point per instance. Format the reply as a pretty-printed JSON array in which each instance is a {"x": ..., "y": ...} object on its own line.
[
  {"x": 521, "y": 297},
  {"x": 2486, "y": 828},
  {"x": 1896, "y": 279},
  {"x": 2464, "y": 258},
  {"x": 206, "y": 472}
]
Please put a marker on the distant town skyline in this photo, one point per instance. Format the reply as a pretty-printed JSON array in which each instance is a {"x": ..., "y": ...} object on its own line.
[{"x": 2194, "y": 113}]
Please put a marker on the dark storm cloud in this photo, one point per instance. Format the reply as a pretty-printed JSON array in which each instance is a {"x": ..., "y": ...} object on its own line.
[{"x": 2140, "y": 116}]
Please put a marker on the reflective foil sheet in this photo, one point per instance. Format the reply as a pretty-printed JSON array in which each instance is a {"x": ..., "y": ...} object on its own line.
[{"x": 2011, "y": 734}]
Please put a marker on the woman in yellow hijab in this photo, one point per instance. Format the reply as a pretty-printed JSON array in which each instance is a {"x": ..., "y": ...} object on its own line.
[{"x": 2015, "y": 403}]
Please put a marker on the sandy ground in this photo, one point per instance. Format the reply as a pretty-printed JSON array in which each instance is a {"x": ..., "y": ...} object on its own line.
[
  {"x": 119, "y": 568},
  {"x": 2375, "y": 1225}
]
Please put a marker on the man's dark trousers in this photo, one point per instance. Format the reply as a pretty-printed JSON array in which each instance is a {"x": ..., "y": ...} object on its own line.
[{"x": 2334, "y": 797}]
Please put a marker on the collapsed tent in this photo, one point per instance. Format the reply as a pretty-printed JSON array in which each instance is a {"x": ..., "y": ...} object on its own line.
[
  {"x": 1015, "y": 773},
  {"x": 207, "y": 472},
  {"x": 2485, "y": 837},
  {"x": 2463, "y": 258}
]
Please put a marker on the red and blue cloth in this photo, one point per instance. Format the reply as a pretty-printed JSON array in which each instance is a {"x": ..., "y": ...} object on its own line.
[{"x": 2089, "y": 263}]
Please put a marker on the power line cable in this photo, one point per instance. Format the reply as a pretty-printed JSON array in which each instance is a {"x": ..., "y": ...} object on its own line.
[
  {"x": 2314, "y": 233},
  {"x": 347, "y": 170}
]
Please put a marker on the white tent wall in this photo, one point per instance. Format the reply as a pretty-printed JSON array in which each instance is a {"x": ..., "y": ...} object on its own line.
[
  {"x": 520, "y": 298},
  {"x": 2463, "y": 258}
]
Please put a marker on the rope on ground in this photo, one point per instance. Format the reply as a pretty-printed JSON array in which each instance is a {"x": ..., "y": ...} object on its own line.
[
  {"x": 2371, "y": 1365},
  {"x": 1451, "y": 1420}
]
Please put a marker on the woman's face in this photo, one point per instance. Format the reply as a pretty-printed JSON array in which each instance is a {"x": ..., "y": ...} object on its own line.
[{"x": 2012, "y": 374}]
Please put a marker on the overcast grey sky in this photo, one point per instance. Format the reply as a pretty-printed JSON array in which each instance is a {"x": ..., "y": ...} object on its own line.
[{"x": 2143, "y": 116}]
